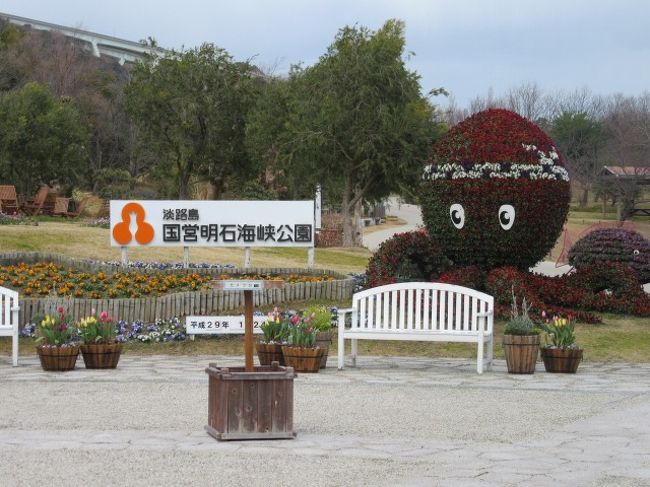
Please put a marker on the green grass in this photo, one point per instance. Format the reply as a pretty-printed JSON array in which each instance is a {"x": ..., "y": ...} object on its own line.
[{"x": 617, "y": 339}]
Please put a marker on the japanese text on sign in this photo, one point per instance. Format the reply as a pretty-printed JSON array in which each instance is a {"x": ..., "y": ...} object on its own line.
[
  {"x": 213, "y": 223},
  {"x": 221, "y": 325}
]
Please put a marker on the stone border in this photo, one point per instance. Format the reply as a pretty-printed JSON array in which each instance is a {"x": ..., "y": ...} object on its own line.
[{"x": 177, "y": 304}]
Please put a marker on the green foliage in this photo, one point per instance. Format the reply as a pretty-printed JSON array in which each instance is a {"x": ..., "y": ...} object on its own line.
[
  {"x": 252, "y": 190},
  {"x": 55, "y": 330},
  {"x": 301, "y": 335},
  {"x": 354, "y": 122},
  {"x": 191, "y": 109},
  {"x": 97, "y": 330},
  {"x": 561, "y": 332},
  {"x": 113, "y": 183},
  {"x": 520, "y": 323},
  {"x": 409, "y": 256},
  {"x": 276, "y": 329},
  {"x": 319, "y": 318},
  {"x": 41, "y": 140}
]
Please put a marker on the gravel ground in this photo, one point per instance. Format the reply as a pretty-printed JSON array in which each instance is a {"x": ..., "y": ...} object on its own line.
[{"x": 388, "y": 422}]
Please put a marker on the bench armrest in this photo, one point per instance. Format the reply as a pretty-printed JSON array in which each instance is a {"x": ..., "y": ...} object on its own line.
[
  {"x": 341, "y": 316},
  {"x": 485, "y": 313}
]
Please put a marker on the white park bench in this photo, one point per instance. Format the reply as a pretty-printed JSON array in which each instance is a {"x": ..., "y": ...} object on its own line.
[
  {"x": 9, "y": 319},
  {"x": 419, "y": 311}
]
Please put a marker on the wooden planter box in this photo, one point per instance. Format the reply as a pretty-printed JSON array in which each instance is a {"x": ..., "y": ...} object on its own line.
[
  {"x": 267, "y": 353},
  {"x": 302, "y": 359},
  {"x": 250, "y": 405},
  {"x": 58, "y": 359},
  {"x": 323, "y": 341},
  {"x": 521, "y": 353},
  {"x": 562, "y": 360},
  {"x": 101, "y": 356}
]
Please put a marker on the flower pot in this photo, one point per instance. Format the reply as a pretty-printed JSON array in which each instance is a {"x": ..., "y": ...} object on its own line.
[
  {"x": 57, "y": 359},
  {"x": 521, "y": 353},
  {"x": 268, "y": 353},
  {"x": 564, "y": 360},
  {"x": 302, "y": 359},
  {"x": 323, "y": 340},
  {"x": 250, "y": 405},
  {"x": 101, "y": 355}
]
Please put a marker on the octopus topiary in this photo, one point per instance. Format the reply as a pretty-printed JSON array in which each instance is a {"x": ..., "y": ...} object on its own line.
[
  {"x": 408, "y": 256},
  {"x": 613, "y": 245},
  {"x": 495, "y": 192}
]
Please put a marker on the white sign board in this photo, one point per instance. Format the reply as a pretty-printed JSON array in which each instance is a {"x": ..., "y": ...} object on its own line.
[
  {"x": 242, "y": 285},
  {"x": 221, "y": 325},
  {"x": 201, "y": 223}
]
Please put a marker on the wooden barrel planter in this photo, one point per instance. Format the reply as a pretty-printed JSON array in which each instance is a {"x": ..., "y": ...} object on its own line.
[
  {"x": 562, "y": 360},
  {"x": 250, "y": 405},
  {"x": 267, "y": 353},
  {"x": 302, "y": 359},
  {"x": 323, "y": 341},
  {"x": 57, "y": 359},
  {"x": 521, "y": 353},
  {"x": 101, "y": 355}
]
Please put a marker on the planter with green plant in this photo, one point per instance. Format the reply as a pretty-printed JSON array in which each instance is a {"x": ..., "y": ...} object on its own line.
[
  {"x": 269, "y": 349},
  {"x": 57, "y": 351},
  {"x": 301, "y": 351},
  {"x": 100, "y": 349},
  {"x": 520, "y": 339},
  {"x": 320, "y": 319},
  {"x": 561, "y": 353}
]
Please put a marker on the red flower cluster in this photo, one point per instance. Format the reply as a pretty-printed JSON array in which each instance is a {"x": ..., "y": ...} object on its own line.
[{"x": 494, "y": 135}]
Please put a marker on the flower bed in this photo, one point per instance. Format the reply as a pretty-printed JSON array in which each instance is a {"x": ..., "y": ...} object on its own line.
[{"x": 47, "y": 279}]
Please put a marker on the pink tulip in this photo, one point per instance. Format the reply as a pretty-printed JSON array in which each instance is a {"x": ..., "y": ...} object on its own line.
[{"x": 103, "y": 316}]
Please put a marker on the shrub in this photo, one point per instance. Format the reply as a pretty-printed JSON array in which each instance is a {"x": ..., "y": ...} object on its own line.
[
  {"x": 471, "y": 277},
  {"x": 495, "y": 192},
  {"x": 410, "y": 256},
  {"x": 613, "y": 245}
]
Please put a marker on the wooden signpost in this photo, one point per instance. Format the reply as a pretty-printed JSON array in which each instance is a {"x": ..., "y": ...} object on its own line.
[
  {"x": 248, "y": 286},
  {"x": 246, "y": 403}
]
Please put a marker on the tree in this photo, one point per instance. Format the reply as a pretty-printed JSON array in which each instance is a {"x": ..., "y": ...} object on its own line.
[
  {"x": 191, "y": 109},
  {"x": 356, "y": 121},
  {"x": 42, "y": 140},
  {"x": 581, "y": 140}
]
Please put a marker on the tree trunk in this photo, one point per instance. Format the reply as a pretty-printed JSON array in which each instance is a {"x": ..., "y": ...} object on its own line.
[
  {"x": 584, "y": 199},
  {"x": 358, "y": 226},
  {"x": 346, "y": 212}
]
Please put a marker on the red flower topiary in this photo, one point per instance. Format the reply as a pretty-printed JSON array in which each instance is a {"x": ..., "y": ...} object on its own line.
[
  {"x": 409, "y": 256},
  {"x": 495, "y": 192}
]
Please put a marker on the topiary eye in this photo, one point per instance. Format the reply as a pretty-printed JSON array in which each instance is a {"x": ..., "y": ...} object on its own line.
[
  {"x": 636, "y": 252},
  {"x": 457, "y": 213},
  {"x": 506, "y": 216}
]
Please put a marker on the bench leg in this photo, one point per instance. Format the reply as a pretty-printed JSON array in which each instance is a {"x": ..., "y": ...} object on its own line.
[
  {"x": 341, "y": 350},
  {"x": 354, "y": 352},
  {"x": 490, "y": 353},
  {"x": 479, "y": 356}
]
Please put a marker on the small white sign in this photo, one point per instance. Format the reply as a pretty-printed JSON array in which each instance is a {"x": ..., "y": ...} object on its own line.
[
  {"x": 242, "y": 285},
  {"x": 221, "y": 325}
]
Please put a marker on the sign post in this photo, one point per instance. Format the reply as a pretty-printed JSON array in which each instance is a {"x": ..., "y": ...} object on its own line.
[{"x": 248, "y": 286}]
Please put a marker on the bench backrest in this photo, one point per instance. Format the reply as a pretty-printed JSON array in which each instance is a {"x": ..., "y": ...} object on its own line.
[
  {"x": 422, "y": 306},
  {"x": 8, "y": 300}
]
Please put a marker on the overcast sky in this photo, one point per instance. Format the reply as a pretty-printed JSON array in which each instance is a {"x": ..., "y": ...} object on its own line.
[{"x": 465, "y": 46}]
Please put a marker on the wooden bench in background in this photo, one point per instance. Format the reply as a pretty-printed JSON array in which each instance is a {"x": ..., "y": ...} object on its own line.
[{"x": 419, "y": 311}]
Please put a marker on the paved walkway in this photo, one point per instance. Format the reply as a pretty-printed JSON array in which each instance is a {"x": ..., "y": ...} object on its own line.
[{"x": 420, "y": 422}]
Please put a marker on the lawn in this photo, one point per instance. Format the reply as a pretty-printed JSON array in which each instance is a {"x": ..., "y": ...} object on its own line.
[{"x": 618, "y": 338}]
